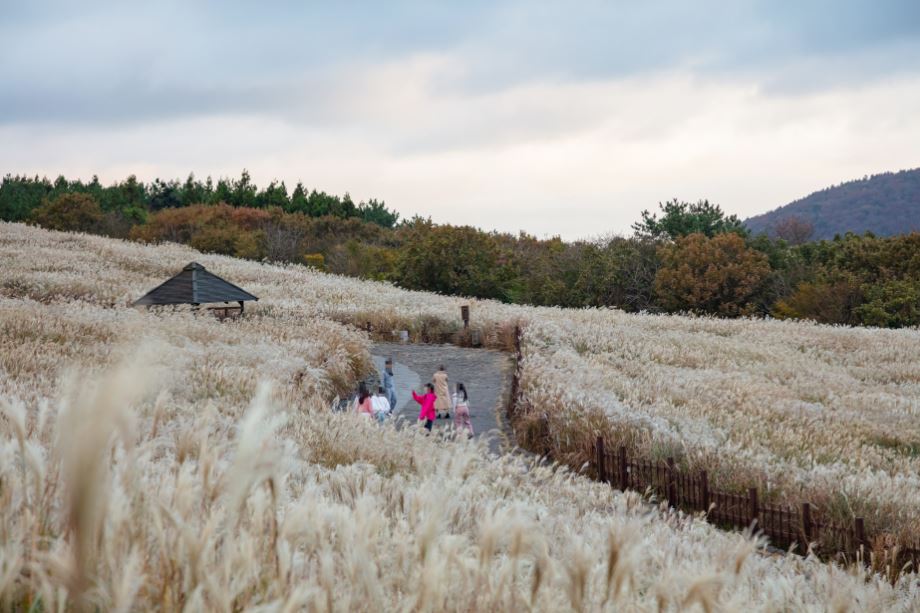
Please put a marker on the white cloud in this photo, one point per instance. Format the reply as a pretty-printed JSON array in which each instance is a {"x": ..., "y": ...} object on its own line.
[{"x": 577, "y": 158}]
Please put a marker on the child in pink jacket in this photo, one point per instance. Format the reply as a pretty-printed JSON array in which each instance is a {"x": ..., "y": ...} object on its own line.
[
  {"x": 427, "y": 401},
  {"x": 363, "y": 405}
]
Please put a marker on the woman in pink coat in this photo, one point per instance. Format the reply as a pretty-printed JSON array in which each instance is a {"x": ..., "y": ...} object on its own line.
[{"x": 427, "y": 401}]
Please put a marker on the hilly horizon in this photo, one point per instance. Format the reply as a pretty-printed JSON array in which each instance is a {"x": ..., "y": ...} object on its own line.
[{"x": 885, "y": 204}]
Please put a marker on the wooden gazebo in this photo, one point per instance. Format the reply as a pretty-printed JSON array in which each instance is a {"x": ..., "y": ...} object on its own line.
[{"x": 196, "y": 286}]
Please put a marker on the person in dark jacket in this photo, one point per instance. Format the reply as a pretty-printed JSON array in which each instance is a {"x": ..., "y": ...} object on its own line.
[{"x": 389, "y": 385}]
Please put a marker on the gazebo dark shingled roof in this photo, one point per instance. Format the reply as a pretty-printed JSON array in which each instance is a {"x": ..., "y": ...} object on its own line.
[{"x": 194, "y": 285}]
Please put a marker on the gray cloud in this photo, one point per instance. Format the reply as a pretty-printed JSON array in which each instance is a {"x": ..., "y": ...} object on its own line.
[{"x": 122, "y": 62}]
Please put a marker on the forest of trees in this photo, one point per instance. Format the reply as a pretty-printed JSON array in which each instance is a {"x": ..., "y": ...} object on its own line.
[
  {"x": 685, "y": 257},
  {"x": 130, "y": 202}
]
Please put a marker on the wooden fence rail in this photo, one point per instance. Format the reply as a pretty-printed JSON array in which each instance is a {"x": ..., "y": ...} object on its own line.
[
  {"x": 691, "y": 491},
  {"x": 783, "y": 525}
]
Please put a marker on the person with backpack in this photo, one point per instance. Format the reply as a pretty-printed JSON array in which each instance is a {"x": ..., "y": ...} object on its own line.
[
  {"x": 426, "y": 401},
  {"x": 462, "y": 410}
]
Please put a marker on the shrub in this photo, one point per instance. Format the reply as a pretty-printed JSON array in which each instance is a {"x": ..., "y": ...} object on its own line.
[
  {"x": 315, "y": 260},
  {"x": 70, "y": 213},
  {"x": 895, "y": 304}
]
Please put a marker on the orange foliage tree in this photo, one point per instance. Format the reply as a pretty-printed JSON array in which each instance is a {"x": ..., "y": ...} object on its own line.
[
  {"x": 216, "y": 228},
  {"x": 719, "y": 275}
]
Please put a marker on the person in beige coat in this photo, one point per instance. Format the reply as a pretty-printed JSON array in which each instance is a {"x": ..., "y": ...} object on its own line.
[{"x": 442, "y": 391}]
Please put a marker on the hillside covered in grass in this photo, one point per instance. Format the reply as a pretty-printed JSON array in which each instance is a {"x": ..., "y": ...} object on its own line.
[{"x": 165, "y": 460}]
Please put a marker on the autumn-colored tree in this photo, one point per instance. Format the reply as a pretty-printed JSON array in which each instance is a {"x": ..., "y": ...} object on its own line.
[
  {"x": 719, "y": 275},
  {"x": 357, "y": 259},
  {"x": 181, "y": 225},
  {"x": 216, "y": 229},
  {"x": 824, "y": 301},
  {"x": 618, "y": 272},
  {"x": 71, "y": 212},
  {"x": 453, "y": 260},
  {"x": 229, "y": 240},
  {"x": 794, "y": 230}
]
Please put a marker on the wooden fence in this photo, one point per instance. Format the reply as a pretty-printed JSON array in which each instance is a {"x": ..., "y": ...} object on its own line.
[{"x": 690, "y": 491}]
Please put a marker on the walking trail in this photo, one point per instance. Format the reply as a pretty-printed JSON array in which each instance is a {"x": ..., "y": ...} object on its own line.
[{"x": 485, "y": 372}]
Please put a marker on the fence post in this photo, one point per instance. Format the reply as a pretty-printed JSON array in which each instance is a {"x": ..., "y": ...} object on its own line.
[
  {"x": 755, "y": 507},
  {"x": 807, "y": 527},
  {"x": 672, "y": 485},
  {"x": 859, "y": 533},
  {"x": 601, "y": 460},
  {"x": 622, "y": 467},
  {"x": 516, "y": 376},
  {"x": 704, "y": 486}
]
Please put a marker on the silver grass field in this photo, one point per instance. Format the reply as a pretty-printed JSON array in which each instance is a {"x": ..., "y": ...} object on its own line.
[{"x": 168, "y": 461}]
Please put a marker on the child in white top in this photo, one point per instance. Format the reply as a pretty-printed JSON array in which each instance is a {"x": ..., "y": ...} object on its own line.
[
  {"x": 462, "y": 410},
  {"x": 381, "y": 405}
]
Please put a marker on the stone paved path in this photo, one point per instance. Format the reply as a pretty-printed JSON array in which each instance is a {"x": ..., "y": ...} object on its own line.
[{"x": 485, "y": 372}]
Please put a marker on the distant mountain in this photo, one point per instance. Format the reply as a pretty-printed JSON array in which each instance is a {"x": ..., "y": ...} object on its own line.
[{"x": 884, "y": 204}]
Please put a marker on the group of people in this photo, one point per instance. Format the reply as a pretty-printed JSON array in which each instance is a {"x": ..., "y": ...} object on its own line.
[
  {"x": 381, "y": 404},
  {"x": 375, "y": 405},
  {"x": 435, "y": 401}
]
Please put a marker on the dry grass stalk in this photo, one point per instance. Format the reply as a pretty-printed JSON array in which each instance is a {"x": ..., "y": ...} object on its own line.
[{"x": 228, "y": 494}]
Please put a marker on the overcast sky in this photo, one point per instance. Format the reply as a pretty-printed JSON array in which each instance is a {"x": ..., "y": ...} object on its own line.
[{"x": 555, "y": 118}]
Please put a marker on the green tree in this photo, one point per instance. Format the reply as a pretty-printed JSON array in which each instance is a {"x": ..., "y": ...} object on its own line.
[
  {"x": 274, "y": 195},
  {"x": 894, "y": 304},
  {"x": 378, "y": 213},
  {"x": 299, "y": 202},
  {"x": 685, "y": 218},
  {"x": 344, "y": 207},
  {"x": 164, "y": 195},
  {"x": 194, "y": 192},
  {"x": 320, "y": 204},
  {"x": 243, "y": 191},
  {"x": 224, "y": 191},
  {"x": 19, "y": 196},
  {"x": 129, "y": 194}
]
